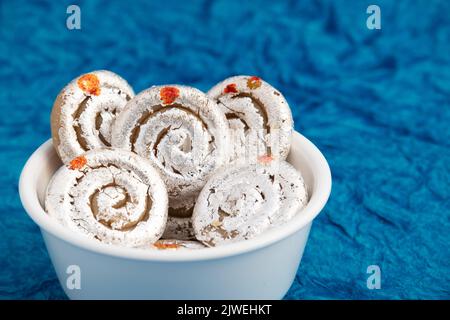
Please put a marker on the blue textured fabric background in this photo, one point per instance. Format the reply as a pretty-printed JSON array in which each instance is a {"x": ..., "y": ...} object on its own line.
[{"x": 376, "y": 102}]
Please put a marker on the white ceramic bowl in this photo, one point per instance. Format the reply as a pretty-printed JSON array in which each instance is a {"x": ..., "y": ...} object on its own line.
[{"x": 260, "y": 268}]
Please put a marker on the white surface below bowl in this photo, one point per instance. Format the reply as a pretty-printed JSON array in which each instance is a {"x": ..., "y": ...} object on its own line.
[{"x": 259, "y": 268}]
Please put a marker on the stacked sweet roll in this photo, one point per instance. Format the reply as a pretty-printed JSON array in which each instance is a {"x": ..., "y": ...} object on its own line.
[{"x": 172, "y": 167}]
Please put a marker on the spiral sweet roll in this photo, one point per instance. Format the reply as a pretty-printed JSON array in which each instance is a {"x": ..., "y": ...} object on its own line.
[
  {"x": 240, "y": 202},
  {"x": 111, "y": 195},
  {"x": 85, "y": 110}
]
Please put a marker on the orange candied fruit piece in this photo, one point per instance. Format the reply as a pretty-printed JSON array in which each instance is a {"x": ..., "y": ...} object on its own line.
[
  {"x": 161, "y": 245},
  {"x": 265, "y": 159},
  {"x": 254, "y": 82},
  {"x": 230, "y": 88},
  {"x": 89, "y": 83},
  {"x": 168, "y": 95},
  {"x": 77, "y": 163}
]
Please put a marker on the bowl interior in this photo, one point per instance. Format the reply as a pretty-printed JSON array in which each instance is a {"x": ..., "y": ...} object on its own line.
[{"x": 304, "y": 156}]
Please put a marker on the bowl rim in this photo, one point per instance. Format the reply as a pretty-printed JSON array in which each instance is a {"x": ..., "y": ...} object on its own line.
[{"x": 322, "y": 189}]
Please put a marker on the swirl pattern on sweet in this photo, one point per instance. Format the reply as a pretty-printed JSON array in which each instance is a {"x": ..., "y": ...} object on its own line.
[
  {"x": 180, "y": 130},
  {"x": 85, "y": 110},
  {"x": 240, "y": 202},
  {"x": 258, "y": 115},
  {"x": 111, "y": 195}
]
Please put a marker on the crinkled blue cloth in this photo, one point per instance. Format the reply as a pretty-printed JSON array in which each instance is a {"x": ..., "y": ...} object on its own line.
[{"x": 376, "y": 103}]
